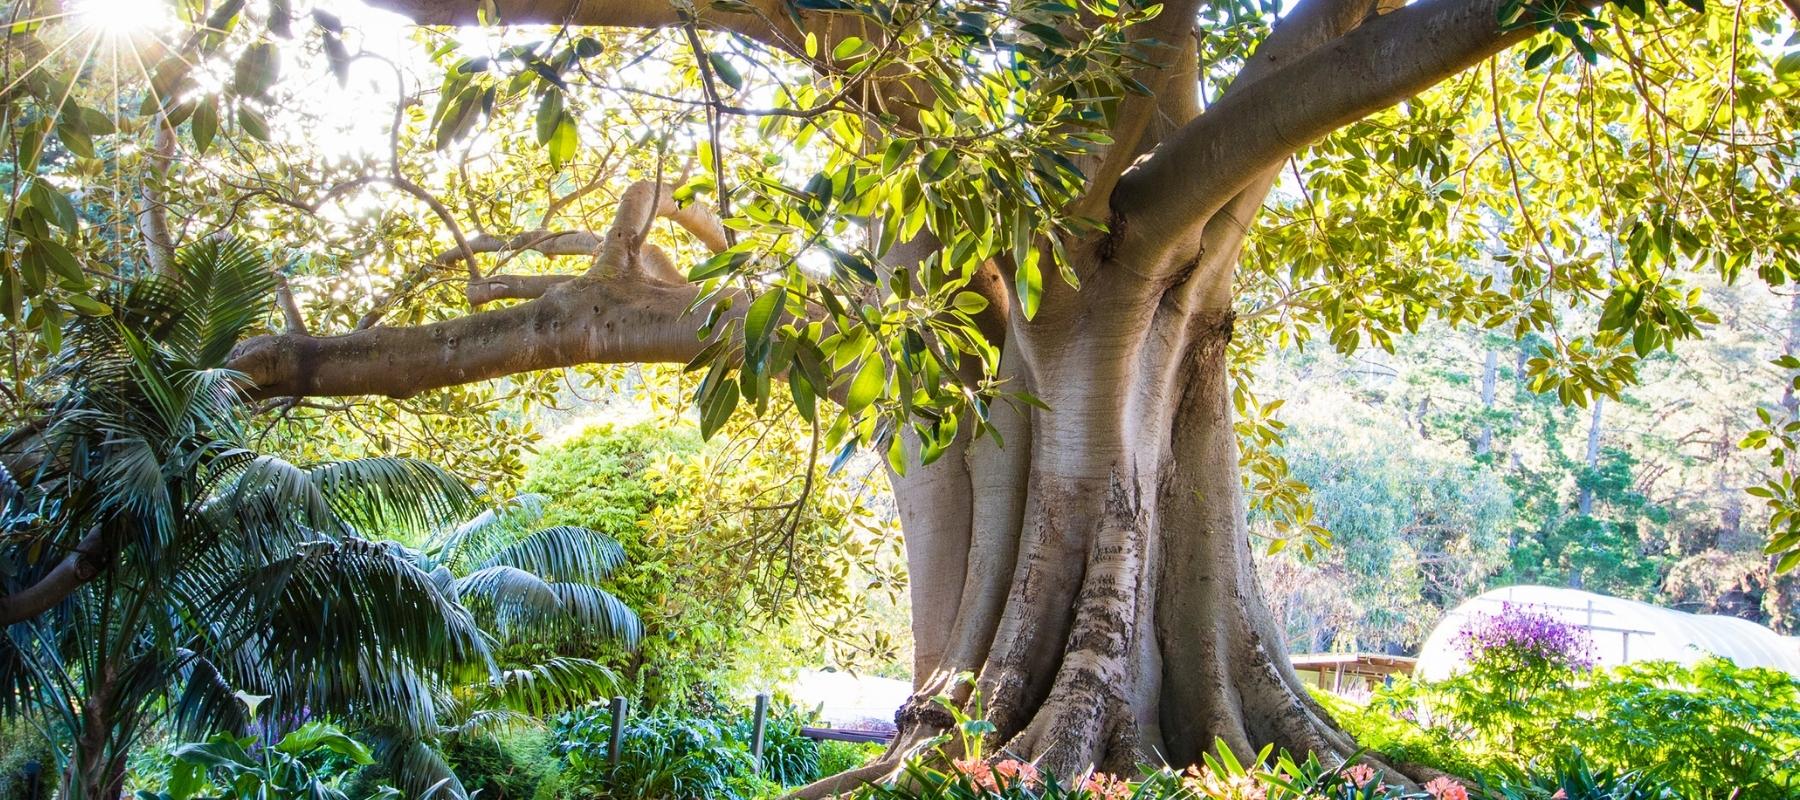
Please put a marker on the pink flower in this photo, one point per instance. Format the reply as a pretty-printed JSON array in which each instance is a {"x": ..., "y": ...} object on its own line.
[
  {"x": 1102, "y": 786},
  {"x": 1446, "y": 789},
  {"x": 1017, "y": 772},
  {"x": 1359, "y": 774},
  {"x": 1560, "y": 795},
  {"x": 977, "y": 771}
]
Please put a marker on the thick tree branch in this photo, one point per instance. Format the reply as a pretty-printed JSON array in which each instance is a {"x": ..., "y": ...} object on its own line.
[
  {"x": 1376, "y": 65},
  {"x": 630, "y": 306},
  {"x": 587, "y": 320},
  {"x": 81, "y": 565}
]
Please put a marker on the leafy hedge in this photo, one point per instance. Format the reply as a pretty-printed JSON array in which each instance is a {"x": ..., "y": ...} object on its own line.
[
  {"x": 1711, "y": 731},
  {"x": 665, "y": 755}
]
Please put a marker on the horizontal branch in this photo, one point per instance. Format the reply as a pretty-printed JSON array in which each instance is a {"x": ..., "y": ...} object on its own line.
[
  {"x": 590, "y": 319},
  {"x": 1376, "y": 65},
  {"x": 78, "y": 567}
]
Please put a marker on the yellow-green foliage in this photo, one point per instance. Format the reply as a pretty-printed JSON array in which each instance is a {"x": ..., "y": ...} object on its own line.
[
  {"x": 735, "y": 583},
  {"x": 1711, "y": 731}
]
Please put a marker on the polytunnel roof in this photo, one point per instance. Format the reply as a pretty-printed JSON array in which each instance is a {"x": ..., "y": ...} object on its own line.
[{"x": 1622, "y": 630}]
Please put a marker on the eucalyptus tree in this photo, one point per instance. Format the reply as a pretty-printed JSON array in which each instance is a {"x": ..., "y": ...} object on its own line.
[{"x": 1008, "y": 245}]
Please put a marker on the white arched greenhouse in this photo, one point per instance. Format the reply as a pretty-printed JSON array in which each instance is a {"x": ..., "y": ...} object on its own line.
[{"x": 1622, "y": 631}]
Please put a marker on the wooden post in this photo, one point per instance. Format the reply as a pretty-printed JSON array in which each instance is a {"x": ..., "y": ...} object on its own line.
[
  {"x": 619, "y": 709},
  {"x": 758, "y": 724}
]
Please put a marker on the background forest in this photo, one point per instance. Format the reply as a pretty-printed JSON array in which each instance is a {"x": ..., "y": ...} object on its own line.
[{"x": 1440, "y": 474}]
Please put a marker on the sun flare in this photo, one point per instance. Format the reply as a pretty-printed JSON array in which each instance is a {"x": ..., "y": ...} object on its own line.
[{"x": 122, "y": 18}]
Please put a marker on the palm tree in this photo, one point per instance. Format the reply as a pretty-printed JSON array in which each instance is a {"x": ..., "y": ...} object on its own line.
[
  {"x": 207, "y": 568},
  {"x": 540, "y": 588}
]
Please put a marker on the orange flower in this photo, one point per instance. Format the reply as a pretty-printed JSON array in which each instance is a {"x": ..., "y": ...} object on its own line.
[{"x": 1106, "y": 787}]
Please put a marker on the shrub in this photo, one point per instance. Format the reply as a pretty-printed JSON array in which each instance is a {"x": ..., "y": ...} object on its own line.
[
  {"x": 500, "y": 768},
  {"x": 27, "y": 762},
  {"x": 789, "y": 758},
  {"x": 836, "y": 757},
  {"x": 661, "y": 756},
  {"x": 1710, "y": 731},
  {"x": 1571, "y": 777}
]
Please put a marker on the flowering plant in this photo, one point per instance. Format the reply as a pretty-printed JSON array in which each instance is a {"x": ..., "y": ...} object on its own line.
[
  {"x": 1522, "y": 638},
  {"x": 1222, "y": 776}
]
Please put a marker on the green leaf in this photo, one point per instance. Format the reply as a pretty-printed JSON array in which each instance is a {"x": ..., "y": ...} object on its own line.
[
  {"x": 805, "y": 400},
  {"x": 84, "y": 304},
  {"x": 59, "y": 260},
  {"x": 319, "y": 735},
  {"x": 720, "y": 263},
  {"x": 937, "y": 165},
  {"x": 563, "y": 142},
  {"x": 186, "y": 779},
  {"x": 850, "y": 47},
  {"x": 53, "y": 204},
  {"x": 256, "y": 70},
  {"x": 1540, "y": 55},
  {"x": 1028, "y": 281},
  {"x": 205, "y": 124},
  {"x": 549, "y": 115},
  {"x": 727, "y": 72},
  {"x": 718, "y": 403},
  {"x": 898, "y": 150},
  {"x": 970, "y": 303},
  {"x": 867, "y": 385},
  {"x": 761, "y": 319},
  {"x": 253, "y": 123}
]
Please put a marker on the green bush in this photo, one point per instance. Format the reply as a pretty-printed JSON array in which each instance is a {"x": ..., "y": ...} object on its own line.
[
  {"x": 789, "y": 758},
  {"x": 1712, "y": 731},
  {"x": 689, "y": 756},
  {"x": 718, "y": 584},
  {"x": 1573, "y": 778},
  {"x": 661, "y": 756},
  {"x": 501, "y": 768},
  {"x": 27, "y": 762},
  {"x": 836, "y": 757}
]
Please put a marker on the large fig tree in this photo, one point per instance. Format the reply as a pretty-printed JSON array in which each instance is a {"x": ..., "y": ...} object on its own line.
[{"x": 1017, "y": 249}]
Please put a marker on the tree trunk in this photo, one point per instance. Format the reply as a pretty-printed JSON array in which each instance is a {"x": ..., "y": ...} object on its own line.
[
  {"x": 1089, "y": 583},
  {"x": 95, "y": 771}
]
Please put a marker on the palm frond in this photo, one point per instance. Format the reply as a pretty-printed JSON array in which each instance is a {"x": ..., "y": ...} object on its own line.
[
  {"x": 224, "y": 288},
  {"x": 493, "y": 722},
  {"x": 511, "y": 597},
  {"x": 562, "y": 553},
  {"x": 419, "y": 771},
  {"x": 599, "y": 614},
  {"x": 393, "y": 495},
  {"x": 473, "y": 540},
  {"x": 547, "y": 688},
  {"x": 332, "y": 604}
]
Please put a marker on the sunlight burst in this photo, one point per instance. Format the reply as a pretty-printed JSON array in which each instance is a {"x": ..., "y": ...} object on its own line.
[{"x": 122, "y": 18}]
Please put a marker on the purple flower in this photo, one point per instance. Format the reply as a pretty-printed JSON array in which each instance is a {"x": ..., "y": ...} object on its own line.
[{"x": 1520, "y": 636}]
